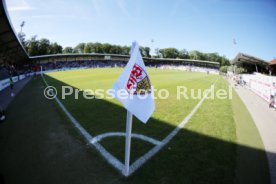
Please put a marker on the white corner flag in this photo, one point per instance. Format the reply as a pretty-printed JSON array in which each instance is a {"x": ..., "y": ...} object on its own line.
[{"x": 133, "y": 89}]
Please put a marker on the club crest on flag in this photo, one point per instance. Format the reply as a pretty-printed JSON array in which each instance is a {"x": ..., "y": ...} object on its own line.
[
  {"x": 138, "y": 82},
  {"x": 133, "y": 87}
]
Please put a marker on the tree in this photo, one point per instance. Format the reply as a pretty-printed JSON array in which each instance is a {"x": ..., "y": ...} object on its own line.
[
  {"x": 215, "y": 57},
  {"x": 97, "y": 48},
  {"x": 68, "y": 50},
  {"x": 88, "y": 48},
  {"x": 44, "y": 46},
  {"x": 106, "y": 48},
  {"x": 55, "y": 48},
  {"x": 33, "y": 46},
  {"x": 142, "y": 51},
  {"x": 157, "y": 53},
  {"x": 21, "y": 37},
  {"x": 169, "y": 52},
  {"x": 79, "y": 48},
  {"x": 115, "y": 49},
  {"x": 224, "y": 61},
  {"x": 125, "y": 50},
  {"x": 224, "y": 69},
  {"x": 147, "y": 52},
  {"x": 183, "y": 54},
  {"x": 197, "y": 55}
]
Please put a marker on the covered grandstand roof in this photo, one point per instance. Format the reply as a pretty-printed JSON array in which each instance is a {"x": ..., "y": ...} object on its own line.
[
  {"x": 191, "y": 60},
  {"x": 245, "y": 58},
  {"x": 74, "y": 55},
  {"x": 93, "y": 56},
  {"x": 11, "y": 50},
  {"x": 251, "y": 63}
]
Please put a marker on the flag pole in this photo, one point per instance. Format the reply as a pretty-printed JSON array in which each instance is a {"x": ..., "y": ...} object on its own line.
[{"x": 128, "y": 141}]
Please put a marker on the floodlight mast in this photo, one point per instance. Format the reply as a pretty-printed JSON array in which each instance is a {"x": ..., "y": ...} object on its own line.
[
  {"x": 235, "y": 50},
  {"x": 22, "y": 25},
  {"x": 152, "y": 47}
]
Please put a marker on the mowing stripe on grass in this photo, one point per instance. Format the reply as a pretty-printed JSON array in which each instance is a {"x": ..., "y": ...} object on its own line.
[{"x": 140, "y": 161}]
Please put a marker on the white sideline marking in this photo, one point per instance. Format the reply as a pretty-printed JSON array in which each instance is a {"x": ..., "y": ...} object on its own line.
[
  {"x": 110, "y": 158},
  {"x": 143, "y": 159},
  {"x": 123, "y": 134}
]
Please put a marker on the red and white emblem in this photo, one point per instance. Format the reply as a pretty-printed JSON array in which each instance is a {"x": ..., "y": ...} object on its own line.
[{"x": 138, "y": 82}]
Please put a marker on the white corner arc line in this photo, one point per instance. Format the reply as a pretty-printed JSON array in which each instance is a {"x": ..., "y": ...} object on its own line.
[
  {"x": 140, "y": 161},
  {"x": 123, "y": 134}
]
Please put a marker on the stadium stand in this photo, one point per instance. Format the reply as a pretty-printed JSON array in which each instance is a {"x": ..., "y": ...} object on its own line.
[
  {"x": 112, "y": 59},
  {"x": 15, "y": 62},
  {"x": 258, "y": 75},
  {"x": 251, "y": 64},
  {"x": 11, "y": 50}
]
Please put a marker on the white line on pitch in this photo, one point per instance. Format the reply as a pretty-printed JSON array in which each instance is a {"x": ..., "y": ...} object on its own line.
[
  {"x": 123, "y": 134},
  {"x": 143, "y": 159},
  {"x": 113, "y": 160},
  {"x": 109, "y": 157}
]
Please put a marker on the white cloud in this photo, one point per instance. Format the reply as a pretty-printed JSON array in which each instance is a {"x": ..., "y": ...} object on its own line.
[
  {"x": 18, "y": 5},
  {"x": 54, "y": 16}
]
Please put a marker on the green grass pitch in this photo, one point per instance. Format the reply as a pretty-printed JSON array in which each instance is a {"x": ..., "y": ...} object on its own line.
[
  {"x": 207, "y": 148},
  {"x": 219, "y": 144}
]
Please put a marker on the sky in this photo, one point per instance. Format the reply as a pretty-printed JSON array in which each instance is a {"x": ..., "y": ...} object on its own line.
[{"x": 223, "y": 26}]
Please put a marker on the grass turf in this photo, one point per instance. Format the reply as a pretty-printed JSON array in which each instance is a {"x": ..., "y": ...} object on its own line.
[{"x": 205, "y": 151}]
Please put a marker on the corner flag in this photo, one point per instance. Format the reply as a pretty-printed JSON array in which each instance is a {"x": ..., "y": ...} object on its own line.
[{"x": 135, "y": 82}]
